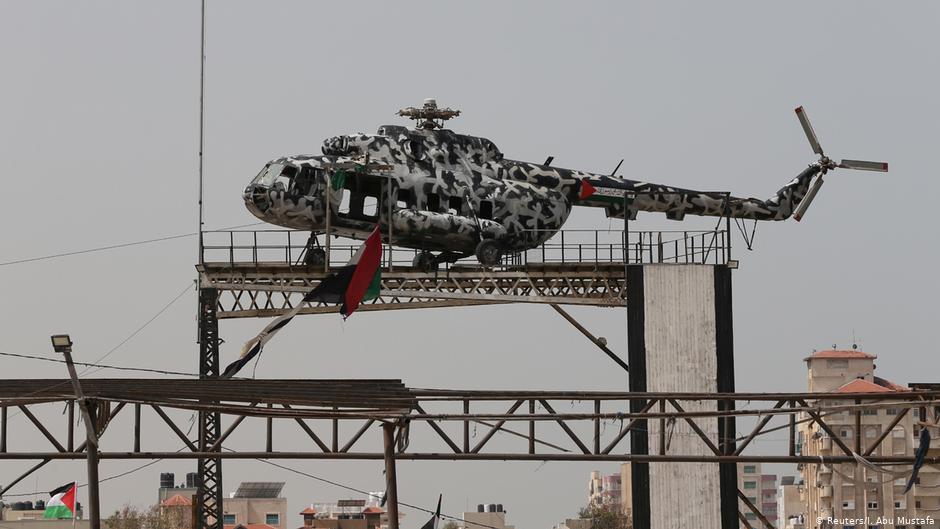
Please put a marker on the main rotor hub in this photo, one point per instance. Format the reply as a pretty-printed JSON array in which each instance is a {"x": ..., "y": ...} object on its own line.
[{"x": 429, "y": 116}]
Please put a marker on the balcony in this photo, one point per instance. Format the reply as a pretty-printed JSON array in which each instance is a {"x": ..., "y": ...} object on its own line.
[{"x": 825, "y": 491}]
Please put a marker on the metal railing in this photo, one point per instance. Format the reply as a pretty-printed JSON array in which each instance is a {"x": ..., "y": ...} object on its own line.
[{"x": 564, "y": 247}]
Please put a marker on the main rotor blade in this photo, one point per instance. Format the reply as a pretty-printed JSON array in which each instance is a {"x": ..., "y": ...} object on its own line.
[
  {"x": 808, "y": 199},
  {"x": 864, "y": 166},
  {"x": 808, "y": 129},
  {"x": 614, "y": 172}
]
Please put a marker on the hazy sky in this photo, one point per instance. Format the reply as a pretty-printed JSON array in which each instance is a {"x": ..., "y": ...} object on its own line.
[{"x": 99, "y": 125}]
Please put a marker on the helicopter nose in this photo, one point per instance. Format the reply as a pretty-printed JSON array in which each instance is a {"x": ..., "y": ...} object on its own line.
[{"x": 256, "y": 197}]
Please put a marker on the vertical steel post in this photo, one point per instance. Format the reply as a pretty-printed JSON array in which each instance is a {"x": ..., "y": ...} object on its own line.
[
  {"x": 3, "y": 428},
  {"x": 137, "y": 427},
  {"x": 91, "y": 446},
  {"x": 391, "y": 479},
  {"x": 209, "y": 488}
]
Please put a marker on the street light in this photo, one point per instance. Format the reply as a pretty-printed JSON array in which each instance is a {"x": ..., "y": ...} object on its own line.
[{"x": 61, "y": 343}]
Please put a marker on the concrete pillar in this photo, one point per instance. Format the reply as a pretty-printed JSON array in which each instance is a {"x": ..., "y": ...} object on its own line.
[{"x": 680, "y": 339}]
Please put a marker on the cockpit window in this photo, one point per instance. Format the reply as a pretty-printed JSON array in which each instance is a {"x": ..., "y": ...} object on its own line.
[{"x": 268, "y": 174}]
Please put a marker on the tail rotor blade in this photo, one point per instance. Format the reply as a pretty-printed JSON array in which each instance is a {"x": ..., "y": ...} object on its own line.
[
  {"x": 808, "y": 199},
  {"x": 864, "y": 166},
  {"x": 808, "y": 129}
]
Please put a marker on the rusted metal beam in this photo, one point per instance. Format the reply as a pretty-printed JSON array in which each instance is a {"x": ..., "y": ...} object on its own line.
[
  {"x": 760, "y": 425},
  {"x": 497, "y": 426},
  {"x": 601, "y": 345},
  {"x": 885, "y": 432},
  {"x": 610, "y": 446},
  {"x": 443, "y": 435},
  {"x": 352, "y": 440},
  {"x": 695, "y": 428},
  {"x": 32, "y": 418},
  {"x": 179, "y": 433},
  {"x": 822, "y": 424},
  {"x": 566, "y": 429},
  {"x": 755, "y": 510}
]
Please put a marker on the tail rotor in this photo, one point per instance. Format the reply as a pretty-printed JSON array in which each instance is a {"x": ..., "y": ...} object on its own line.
[{"x": 825, "y": 164}]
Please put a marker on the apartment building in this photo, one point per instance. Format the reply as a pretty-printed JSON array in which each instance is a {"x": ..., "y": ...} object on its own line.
[{"x": 849, "y": 490}]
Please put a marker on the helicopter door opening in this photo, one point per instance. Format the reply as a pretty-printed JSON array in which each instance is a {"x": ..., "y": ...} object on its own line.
[{"x": 360, "y": 199}]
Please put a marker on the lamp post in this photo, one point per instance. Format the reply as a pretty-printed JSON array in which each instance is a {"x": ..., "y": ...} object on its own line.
[{"x": 62, "y": 343}]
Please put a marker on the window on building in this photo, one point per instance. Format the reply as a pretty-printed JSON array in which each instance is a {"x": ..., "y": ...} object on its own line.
[
  {"x": 898, "y": 433},
  {"x": 837, "y": 364},
  {"x": 870, "y": 412},
  {"x": 871, "y": 433},
  {"x": 899, "y": 505},
  {"x": 873, "y": 505},
  {"x": 750, "y": 516},
  {"x": 892, "y": 411},
  {"x": 848, "y": 504},
  {"x": 750, "y": 469},
  {"x": 272, "y": 518},
  {"x": 846, "y": 432},
  {"x": 228, "y": 519},
  {"x": 750, "y": 484},
  {"x": 917, "y": 504}
]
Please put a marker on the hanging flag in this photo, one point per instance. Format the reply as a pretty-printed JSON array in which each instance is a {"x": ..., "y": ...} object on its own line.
[
  {"x": 360, "y": 280},
  {"x": 433, "y": 522},
  {"x": 586, "y": 189},
  {"x": 919, "y": 456},
  {"x": 62, "y": 503}
]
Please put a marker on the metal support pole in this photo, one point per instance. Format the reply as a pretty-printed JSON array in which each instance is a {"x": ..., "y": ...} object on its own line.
[
  {"x": 91, "y": 447},
  {"x": 391, "y": 479},
  {"x": 209, "y": 488},
  {"x": 3, "y": 428}
]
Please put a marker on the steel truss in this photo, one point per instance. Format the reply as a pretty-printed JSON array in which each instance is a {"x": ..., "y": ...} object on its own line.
[
  {"x": 345, "y": 419},
  {"x": 526, "y": 412},
  {"x": 271, "y": 289}
]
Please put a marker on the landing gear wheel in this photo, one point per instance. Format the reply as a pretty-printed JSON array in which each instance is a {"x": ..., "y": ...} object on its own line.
[
  {"x": 315, "y": 257},
  {"x": 425, "y": 262},
  {"x": 488, "y": 252}
]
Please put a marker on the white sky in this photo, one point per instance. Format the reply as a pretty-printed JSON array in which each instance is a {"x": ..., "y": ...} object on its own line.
[{"x": 98, "y": 142}]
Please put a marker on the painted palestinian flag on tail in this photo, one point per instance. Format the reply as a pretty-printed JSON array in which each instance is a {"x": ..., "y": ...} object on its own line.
[
  {"x": 62, "y": 503},
  {"x": 358, "y": 281}
]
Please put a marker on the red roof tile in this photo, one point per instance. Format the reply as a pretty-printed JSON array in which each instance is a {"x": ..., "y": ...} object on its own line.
[
  {"x": 309, "y": 510},
  {"x": 852, "y": 353},
  {"x": 177, "y": 500},
  {"x": 862, "y": 386},
  {"x": 373, "y": 510}
]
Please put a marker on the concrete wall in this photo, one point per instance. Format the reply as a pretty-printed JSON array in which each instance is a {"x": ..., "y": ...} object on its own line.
[
  {"x": 679, "y": 339},
  {"x": 253, "y": 510}
]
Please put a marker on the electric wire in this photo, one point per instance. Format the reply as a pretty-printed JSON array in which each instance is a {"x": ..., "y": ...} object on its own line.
[
  {"x": 120, "y": 245},
  {"x": 101, "y": 366}
]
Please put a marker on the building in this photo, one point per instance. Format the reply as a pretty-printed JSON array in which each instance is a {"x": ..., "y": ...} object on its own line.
[
  {"x": 347, "y": 514},
  {"x": 168, "y": 487},
  {"x": 612, "y": 490},
  {"x": 255, "y": 505},
  {"x": 760, "y": 489},
  {"x": 489, "y": 515},
  {"x": 849, "y": 490},
  {"x": 790, "y": 504},
  {"x": 28, "y": 515}
]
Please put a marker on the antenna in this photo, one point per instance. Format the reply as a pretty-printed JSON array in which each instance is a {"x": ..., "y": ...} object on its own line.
[{"x": 826, "y": 164}]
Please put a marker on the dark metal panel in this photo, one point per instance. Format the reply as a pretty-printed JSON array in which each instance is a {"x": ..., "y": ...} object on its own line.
[
  {"x": 724, "y": 348},
  {"x": 636, "y": 359}
]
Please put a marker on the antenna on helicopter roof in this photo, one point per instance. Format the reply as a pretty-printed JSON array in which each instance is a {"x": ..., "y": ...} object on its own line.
[
  {"x": 429, "y": 116},
  {"x": 826, "y": 164}
]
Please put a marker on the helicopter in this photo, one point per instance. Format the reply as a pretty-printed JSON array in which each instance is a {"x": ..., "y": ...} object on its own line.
[{"x": 452, "y": 196}]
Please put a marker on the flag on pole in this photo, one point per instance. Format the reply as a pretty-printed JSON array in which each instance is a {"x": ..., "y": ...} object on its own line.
[
  {"x": 62, "y": 503},
  {"x": 433, "y": 522},
  {"x": 358, "y": 281}
]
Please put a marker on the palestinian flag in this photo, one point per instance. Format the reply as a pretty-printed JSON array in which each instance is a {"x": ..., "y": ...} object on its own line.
[
  {"x": 62, "y": 503},
  {"x": 358, "y": 281},
  {"x": 435, "y": 520}
]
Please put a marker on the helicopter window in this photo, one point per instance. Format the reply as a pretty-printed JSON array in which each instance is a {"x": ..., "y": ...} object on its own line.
[
  {"x": 303, "y": 183},
  {"x": 486, "y": 209},
  {"x": 343, "y": 201},
  {"x": 455, "y": 203},
  {"x": 370, "y": 206},
  {"x": 268, "y": 174},
  {"x": 406, "y": 199},
  {"x": 434, "y": 202}
]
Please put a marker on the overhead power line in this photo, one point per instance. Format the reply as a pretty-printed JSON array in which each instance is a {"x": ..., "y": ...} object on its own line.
[
  {"x": 116, "y": 246},
  {"x": 101, "y": 366}
]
